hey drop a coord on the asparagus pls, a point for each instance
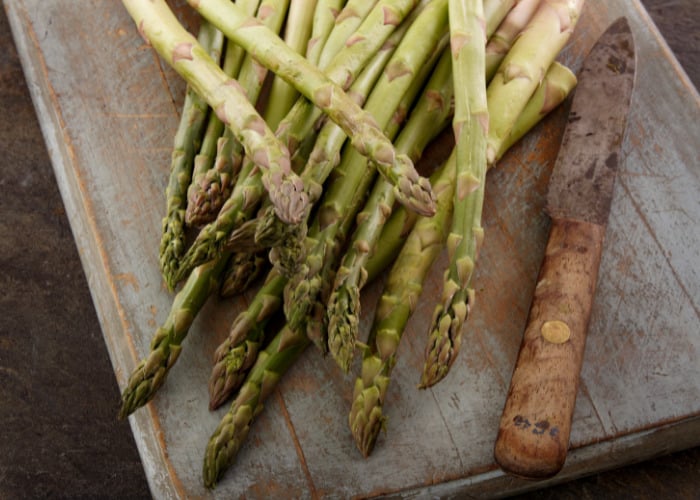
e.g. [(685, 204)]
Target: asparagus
[(213, 238), (231, 432), (211, 186), (526, 64), (399, 298), (242, 270), (558, 82), (405, 280), (357, 123), (344, 304), (421, 42), (502, 40), (286, 242), (470, 124), (346, 23), (324, 19), (186, 142), (516, 80), (495, 12), (158, 25), (165, 348), (238, 351)]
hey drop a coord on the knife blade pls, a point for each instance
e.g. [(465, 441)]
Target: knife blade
[(535, 425)]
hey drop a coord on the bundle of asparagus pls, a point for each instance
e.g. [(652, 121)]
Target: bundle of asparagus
[(331, 198)]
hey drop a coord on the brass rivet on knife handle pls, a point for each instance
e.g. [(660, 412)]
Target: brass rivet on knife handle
[(555, 331), (534, 431)]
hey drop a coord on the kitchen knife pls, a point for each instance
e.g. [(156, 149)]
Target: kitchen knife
[(533, 435)]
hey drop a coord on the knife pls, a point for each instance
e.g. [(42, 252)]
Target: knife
[(533, 435)]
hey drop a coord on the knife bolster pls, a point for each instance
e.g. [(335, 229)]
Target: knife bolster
[(533, 435)]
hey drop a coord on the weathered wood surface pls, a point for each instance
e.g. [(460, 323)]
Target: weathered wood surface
[(108, 109)]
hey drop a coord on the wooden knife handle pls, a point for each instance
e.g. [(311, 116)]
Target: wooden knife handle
[(533, 435)]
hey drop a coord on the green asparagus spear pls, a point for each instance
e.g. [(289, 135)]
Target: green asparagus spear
[(425, 121), (269, 367), (213, 238), (324, 19), (400, 73), (346, 23), (186, 143), (470, 124), (515, 81), (237, 353), (150, 374), (242, 270), (357, 123), (502, 40), (158, 24), (211, 186), (399, 298), (558, 82), (526, 64), (287, 242)]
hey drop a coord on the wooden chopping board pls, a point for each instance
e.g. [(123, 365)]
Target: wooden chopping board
[(108, 108)]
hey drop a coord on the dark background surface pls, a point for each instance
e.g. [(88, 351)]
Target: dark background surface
[(59, 435)]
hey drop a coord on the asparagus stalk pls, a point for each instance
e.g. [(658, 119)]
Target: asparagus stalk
[(415, 50), (238, 351), (401, 293), (502, 40), (211, 186), (324, 19), (431, 111), (526, 64), (372, 34), (186, 143), (231, 432), (166, 346), (405, 280), (516, 80), (358, 124), (158, 25), (470, 124), (297, 33), (346, 23), (287, 242), (495, 11), (242, 269), (558, 82)]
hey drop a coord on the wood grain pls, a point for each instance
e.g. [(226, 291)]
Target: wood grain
[(109, 126)]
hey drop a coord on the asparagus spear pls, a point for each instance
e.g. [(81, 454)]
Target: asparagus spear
[(211, 186), (186, 143), (495, 12), (359, 125), (431, 111), (287, 242), (516, 80), (150, 373), (346, 23), (269, 367), (158, 24), (558, 82), (502, 40), (401, 293), (238, 351), (242, 269), (470, 124), (324, 19), (415, 50), (405, 280), (213, 238), (526, 64)]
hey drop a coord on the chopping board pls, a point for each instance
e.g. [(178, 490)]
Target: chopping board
[(109, 108)]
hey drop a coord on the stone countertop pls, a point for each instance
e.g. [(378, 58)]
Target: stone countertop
[(60, 436)]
